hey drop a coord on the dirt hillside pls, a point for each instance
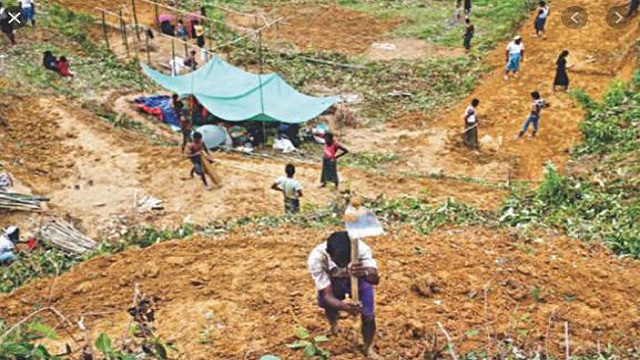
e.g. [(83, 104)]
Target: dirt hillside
[(599, 54), (258, 294)]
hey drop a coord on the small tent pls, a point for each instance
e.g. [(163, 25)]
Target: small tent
[(236, 95)]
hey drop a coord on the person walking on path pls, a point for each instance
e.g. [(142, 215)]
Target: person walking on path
[(562, 78), (194, 152), (541, 19), (330, 160), (467, 7), (471, 125), (290, 188), (515, 55), (28, 11), (5, 25), (534, 116), (331, 269), (468, 35)]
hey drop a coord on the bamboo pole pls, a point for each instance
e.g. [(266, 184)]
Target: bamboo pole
[(104, 30), (174, 71), (157, 18), (125, 38), (135, 18)]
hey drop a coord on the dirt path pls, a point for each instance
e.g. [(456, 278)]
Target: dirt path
[(600, 54), (259, 298)]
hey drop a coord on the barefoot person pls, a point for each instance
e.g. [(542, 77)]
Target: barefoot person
[(515, 55), (468, 35), (329, 264), (471, 125), (330, 159), (541, 19), (534, 117), (186, 126), (291, 189), (194, 153), (562, 78)]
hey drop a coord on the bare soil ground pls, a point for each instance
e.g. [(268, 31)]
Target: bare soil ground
[(255, 281), (258, 295), (599, 54)]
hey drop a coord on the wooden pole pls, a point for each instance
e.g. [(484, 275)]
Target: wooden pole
[(135, 18), (156, 20), (125, 39), (174, 71), (105, 31), (355, 295), (246, 54), (146, 39), (260, 49), (186, 50)]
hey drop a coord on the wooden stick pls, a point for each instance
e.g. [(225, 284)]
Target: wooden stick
[(449, 342), (135, 18), (104, 30), (355, 294)]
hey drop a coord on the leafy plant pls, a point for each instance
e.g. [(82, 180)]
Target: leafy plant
[(309, 345)]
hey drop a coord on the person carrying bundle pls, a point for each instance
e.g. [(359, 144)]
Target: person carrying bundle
[(331, 269), (195, 152)]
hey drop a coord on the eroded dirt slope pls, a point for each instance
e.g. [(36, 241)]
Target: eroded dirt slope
[(256, 285), (599, 54)]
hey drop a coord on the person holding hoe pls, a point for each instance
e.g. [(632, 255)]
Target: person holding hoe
[(331, 268)]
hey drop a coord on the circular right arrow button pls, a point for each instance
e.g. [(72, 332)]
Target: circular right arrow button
[(617, 17)]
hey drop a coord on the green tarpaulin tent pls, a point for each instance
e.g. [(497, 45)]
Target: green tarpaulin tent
[(235, 95)]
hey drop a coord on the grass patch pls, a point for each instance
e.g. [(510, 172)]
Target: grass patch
[(432, 20)]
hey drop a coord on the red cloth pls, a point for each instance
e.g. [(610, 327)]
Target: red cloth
[(152, 111), (64, 68)]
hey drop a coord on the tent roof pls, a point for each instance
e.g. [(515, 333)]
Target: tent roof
[(235, 95)]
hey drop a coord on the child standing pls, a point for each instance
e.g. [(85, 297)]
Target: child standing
[(291, 189), (180, 31), (534, 117), (468, 35)]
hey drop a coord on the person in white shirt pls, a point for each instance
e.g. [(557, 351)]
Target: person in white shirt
[(6, 250), (541, 19), (329, 264), (471, 125), (515, 55), (28, 11), (291, 189)]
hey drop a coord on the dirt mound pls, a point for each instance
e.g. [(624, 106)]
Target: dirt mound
[(330, 28), (256, 285)]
